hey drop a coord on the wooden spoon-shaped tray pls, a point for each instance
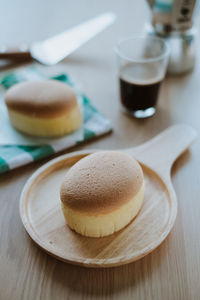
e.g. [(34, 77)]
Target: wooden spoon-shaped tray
[(42, 217)]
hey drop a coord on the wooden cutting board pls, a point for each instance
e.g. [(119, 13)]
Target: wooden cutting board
[(42, 217)]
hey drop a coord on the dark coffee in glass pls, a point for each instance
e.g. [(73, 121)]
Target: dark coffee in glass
[(139, 89), (142, 63)]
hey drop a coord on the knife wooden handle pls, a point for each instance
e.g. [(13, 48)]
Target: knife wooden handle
[(15, 52)]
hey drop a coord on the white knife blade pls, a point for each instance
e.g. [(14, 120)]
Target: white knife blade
[(54, 49)]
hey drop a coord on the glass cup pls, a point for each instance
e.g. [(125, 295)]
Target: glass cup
[(142, 64)]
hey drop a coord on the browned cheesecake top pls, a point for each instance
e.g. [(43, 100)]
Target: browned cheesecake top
[(101, 182), (41, 98)]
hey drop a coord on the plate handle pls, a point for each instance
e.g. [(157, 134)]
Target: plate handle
[(161, 152)]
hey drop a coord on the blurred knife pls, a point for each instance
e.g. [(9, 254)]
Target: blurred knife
[(54, 49)]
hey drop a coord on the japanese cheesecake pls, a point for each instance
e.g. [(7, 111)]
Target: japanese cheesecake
[(44, 108), (102, 193)]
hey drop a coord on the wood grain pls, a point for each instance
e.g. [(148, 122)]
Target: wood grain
[(42, 216), (172, 270)]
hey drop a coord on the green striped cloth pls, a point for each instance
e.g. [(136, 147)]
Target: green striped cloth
[(17, 149)]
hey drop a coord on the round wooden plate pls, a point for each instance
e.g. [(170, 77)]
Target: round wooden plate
[(42, 217)]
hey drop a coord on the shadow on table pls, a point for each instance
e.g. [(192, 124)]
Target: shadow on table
[(7, 64), (107, 281), (181, 162)]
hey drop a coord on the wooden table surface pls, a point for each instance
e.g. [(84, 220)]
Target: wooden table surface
[(171, 271)]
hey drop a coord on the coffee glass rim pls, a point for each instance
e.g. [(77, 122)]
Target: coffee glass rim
[(162, 56)]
